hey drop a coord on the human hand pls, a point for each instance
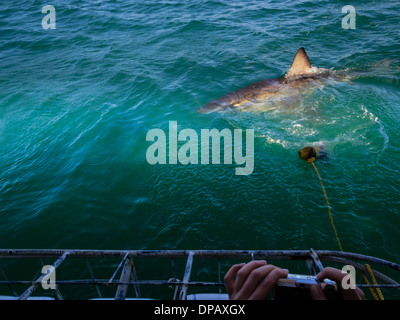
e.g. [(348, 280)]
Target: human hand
[(337, 276), (254, 280)]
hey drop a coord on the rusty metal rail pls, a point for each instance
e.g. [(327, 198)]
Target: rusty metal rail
[(129, 278)]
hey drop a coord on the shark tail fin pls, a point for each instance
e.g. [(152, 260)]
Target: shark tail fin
[(301, 64)]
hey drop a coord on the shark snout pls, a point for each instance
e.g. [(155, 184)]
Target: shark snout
[(219, 104), (209, 107)]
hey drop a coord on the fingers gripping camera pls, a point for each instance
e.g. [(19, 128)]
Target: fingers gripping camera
[(297, 287)]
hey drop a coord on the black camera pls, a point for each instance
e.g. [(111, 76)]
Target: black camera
[(297, 287)]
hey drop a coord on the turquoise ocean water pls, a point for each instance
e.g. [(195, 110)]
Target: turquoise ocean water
[(76, 103)]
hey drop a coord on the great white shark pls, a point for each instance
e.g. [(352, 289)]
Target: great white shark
[(299, 74)]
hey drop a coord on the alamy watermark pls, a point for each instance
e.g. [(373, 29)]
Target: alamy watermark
[(49, 20), (191, 152), (349, 20), (49, 277), (348, 281)]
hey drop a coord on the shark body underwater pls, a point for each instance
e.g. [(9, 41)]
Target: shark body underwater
[(299, 74)]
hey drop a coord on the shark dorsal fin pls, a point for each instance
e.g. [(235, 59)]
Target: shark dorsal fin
[(301, 64)]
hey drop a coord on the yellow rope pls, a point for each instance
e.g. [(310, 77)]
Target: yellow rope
[(374, 281), (376, 297), (370, 289), (311, 160)]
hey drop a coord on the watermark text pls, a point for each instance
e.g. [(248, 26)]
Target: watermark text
[(49, 20), (191, 152)]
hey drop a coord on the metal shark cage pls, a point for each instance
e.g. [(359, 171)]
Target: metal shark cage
[(124, 274)]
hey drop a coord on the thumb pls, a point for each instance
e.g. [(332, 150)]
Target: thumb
[(317, 293)]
